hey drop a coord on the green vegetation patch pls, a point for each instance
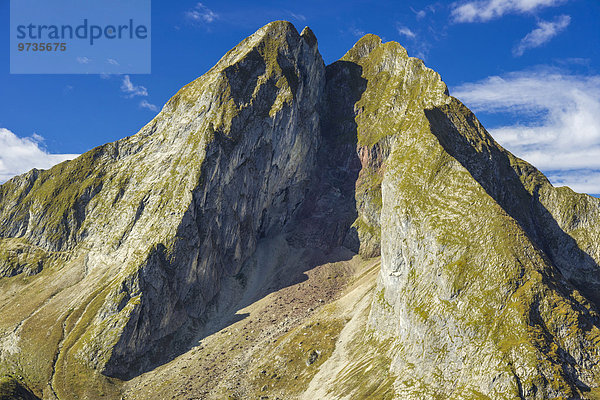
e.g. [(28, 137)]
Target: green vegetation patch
[(368, 376), (296, 359)]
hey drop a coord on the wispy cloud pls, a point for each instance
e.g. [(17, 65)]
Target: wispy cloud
[(416, 42), (149, 106), (132, 90), (19, 155), (577, 61), (420, 14), (298, 17), (486, 10), (580, 180), (357, 32), (83, 60), (542, 34), (201, 14), (403, 30), (564, 140), (112, 61)]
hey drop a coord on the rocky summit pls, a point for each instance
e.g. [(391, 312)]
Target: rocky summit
[(284, 229)]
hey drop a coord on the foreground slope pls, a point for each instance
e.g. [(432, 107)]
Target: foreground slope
[(231, 247)]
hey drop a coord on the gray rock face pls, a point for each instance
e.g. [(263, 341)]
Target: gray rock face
[(489, 279), (165, 214), (253, 177)]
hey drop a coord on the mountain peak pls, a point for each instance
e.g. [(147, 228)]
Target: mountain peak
[(349, 231), (309, 36), (363, 47), (280, 26)]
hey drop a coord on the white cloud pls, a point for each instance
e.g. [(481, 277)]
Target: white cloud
[(83, 60), (200, 13), (132, 90), (402, 30), (357, 32), (486, 10), (414, 43), (542, 34), (112, 61), (19, 155), (149, 106), (583, 181), (564, 140)]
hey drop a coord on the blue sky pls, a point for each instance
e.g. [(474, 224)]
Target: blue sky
[(528, 68)]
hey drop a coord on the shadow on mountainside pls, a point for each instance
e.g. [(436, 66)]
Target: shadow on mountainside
[(491, 167), (318, 233), (321, 228)]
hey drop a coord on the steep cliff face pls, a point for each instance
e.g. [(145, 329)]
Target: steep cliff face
[(254, 175), (486, 286), (270, 168), (145, 228), (397, 88)]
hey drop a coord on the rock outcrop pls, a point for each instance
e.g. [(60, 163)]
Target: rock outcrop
[(114, 263), (487, 285)]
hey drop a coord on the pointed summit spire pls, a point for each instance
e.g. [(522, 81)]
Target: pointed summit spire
[(309, 36)]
